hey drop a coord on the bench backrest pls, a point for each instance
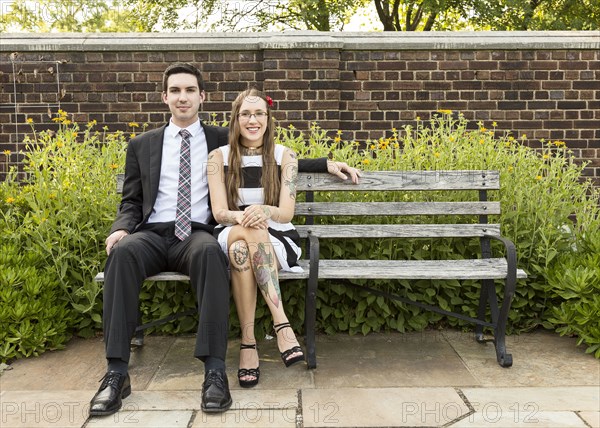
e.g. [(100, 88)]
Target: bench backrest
[(404, 181)]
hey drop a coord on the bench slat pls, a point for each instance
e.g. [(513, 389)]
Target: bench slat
[(371, 231), (415, 269), (385, 269), (176, 276), (397, 208), (403, 180)]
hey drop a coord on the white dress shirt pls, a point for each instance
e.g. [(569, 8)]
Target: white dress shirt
[(166, 200)]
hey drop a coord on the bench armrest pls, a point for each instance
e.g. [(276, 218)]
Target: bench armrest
[(511, 258)]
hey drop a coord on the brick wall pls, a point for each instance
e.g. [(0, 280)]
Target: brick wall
[(542, 84)]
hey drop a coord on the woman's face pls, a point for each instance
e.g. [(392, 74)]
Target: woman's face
[(253, 120)]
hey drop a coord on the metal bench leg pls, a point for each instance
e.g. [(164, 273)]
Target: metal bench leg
[(310, 305), (138, 338), (503, 357), (481, 311)]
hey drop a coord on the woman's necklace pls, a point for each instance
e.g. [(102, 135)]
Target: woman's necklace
[(251, 151)]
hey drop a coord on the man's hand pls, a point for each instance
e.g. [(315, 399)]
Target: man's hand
[(113, 238), (338, 168)]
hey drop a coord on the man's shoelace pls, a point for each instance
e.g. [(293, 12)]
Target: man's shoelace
[(111, 379), (213, 378)]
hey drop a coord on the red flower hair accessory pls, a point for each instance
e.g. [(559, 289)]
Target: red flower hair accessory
[(269, 101)]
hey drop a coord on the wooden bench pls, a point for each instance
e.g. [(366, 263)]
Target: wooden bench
[(429, 221)]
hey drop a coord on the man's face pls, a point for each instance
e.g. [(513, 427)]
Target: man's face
[(184, 98)]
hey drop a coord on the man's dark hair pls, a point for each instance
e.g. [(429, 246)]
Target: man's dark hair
[(182, 67)]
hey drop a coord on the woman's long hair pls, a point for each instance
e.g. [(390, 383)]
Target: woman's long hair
[(270, 180)]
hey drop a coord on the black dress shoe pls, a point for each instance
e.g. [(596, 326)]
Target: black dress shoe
[(215, 392), (115, 386)]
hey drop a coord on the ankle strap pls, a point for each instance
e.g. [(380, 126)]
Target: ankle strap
[(245, 346), (278, 327)]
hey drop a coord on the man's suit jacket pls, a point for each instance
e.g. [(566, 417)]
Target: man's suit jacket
[(142, 174)]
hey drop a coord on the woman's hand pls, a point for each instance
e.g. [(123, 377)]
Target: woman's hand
[(256, 216)]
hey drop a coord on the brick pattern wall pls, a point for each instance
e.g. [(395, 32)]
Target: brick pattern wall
[(544, 93)]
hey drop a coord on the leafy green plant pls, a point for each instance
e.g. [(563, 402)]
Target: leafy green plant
[(58, 209), (542, 190)]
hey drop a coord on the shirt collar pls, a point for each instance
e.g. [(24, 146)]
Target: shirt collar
[(173, 130)]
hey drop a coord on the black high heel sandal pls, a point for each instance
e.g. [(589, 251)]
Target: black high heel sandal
[(296, 349), (244, 383)]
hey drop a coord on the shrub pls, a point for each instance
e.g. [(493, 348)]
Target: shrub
[(57, 218), (542, 190)]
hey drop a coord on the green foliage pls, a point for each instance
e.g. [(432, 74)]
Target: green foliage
[(69, 16), (320, 15), (541, 191), (33, 316), (575, 291), (55, 221), (59, 215)]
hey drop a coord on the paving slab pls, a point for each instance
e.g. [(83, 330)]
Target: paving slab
[(249, 417), (496, 418), (78, 367), (390, 360), (591, 418), (143, 418), (535, 399), (44, 408), (539, 359), (381, 407)]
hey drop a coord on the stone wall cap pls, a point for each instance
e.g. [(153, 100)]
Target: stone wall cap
[(450, 40)]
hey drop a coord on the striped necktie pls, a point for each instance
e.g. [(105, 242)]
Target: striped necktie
[(183, 215)]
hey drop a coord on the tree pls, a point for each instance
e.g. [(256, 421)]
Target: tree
[(512, 15), (68, 16), (419, 15)]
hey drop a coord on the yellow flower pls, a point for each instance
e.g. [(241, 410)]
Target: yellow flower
[(366, 161), (436, 154), (481, 141), (560, 143), (545, 157), (372, 146), (113, 166), (394, 130), (337, 139), (291, 126), (29, 120), (418, 118), (92, 123), (134, 124), (339, 132), (483, 129), (538, 177), (510, 169), (7, 152), (132, 135), (494, 124), (396, 145), (524, 137), (74, 134), (52, 196), (507, 144), (445, 111), (67, 122), (59, 144), (9, 200)]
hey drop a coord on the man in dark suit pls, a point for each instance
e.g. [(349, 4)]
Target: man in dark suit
[(152, 233)]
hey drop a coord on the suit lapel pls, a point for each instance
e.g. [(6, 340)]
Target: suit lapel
[(155, 145)]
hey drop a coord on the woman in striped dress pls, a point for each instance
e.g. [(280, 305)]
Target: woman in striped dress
[(252, 184)]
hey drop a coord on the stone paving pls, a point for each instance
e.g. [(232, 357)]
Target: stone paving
[(433, 379)]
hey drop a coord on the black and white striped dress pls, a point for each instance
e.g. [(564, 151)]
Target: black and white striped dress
[(284, 237)]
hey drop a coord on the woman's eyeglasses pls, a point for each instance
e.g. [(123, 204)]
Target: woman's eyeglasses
[(259, 115)]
